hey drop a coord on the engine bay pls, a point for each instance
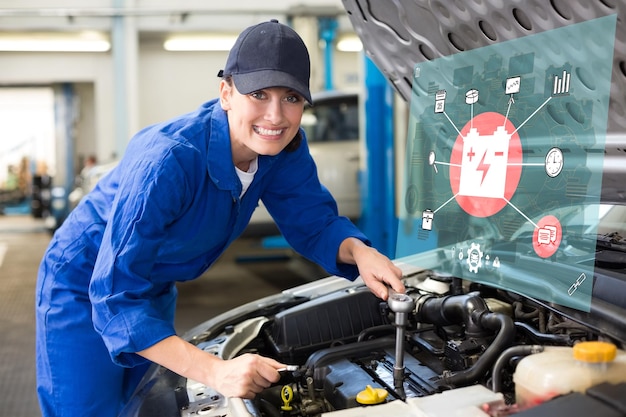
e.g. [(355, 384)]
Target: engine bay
[(348, 349)]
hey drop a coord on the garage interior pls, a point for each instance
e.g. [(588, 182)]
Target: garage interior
[(77, 82)]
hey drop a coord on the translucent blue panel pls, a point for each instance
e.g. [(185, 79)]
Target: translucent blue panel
[(504, 162)]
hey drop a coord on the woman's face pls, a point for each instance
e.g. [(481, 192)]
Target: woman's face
[(262, 122)]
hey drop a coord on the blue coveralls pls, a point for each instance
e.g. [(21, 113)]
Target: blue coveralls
[(106, 284)]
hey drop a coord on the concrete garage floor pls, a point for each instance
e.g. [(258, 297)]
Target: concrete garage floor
[(245, 272)]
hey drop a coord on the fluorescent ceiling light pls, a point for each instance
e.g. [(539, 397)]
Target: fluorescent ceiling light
[(349, 43), (197, 42), (54, 42)]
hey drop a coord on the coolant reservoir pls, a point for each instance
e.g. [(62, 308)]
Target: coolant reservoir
[(560, 370)]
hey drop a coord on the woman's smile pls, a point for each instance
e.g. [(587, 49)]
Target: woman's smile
[(267, 132)]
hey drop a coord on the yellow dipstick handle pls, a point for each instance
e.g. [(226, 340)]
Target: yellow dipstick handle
[(286, 394)]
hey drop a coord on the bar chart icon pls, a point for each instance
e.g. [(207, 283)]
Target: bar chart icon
[(561, 84)]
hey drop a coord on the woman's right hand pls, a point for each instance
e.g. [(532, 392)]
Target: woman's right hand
[(244, 376)]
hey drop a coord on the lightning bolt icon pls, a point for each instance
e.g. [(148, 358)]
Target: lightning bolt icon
[(482, 166)]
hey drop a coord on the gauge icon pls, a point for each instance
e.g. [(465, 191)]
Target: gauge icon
[(554, 162)]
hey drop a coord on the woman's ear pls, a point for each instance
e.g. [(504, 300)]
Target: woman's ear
[(225, 94)]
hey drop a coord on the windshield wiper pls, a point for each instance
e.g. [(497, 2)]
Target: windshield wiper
[(610, 251), (611, 241)]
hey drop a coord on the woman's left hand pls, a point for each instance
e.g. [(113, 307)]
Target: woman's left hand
[(377, 271)]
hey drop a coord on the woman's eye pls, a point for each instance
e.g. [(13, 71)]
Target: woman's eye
[(259, 95), (293, 98)]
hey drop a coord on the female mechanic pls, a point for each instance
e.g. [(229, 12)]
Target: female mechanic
[(183, 191)]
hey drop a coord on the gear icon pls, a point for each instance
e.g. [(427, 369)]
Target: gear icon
[(474, 257)]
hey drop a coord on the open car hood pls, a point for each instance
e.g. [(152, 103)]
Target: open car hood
[(523, 86), (399, 34)]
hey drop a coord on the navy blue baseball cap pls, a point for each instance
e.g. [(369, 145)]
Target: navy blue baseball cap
[(267, 55)]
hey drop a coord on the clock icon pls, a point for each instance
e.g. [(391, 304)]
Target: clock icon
[(554, 162)]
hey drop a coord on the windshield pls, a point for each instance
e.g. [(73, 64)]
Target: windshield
[(333, 118), (504, 163)]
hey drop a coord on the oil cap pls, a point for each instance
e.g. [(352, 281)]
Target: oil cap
[(371, 396), (595, 352)]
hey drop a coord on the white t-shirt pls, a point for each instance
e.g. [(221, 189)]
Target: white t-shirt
[(246, 177)]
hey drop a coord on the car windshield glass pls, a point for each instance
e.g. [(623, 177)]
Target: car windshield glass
[(504, 163), (332, 119)]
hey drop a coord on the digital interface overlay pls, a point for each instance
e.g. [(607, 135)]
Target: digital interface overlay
[(504, 162)]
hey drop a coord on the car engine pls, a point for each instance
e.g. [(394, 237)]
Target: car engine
[(446, 340)]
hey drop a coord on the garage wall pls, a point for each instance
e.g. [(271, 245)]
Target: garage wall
[(167, 84), (171, 83)]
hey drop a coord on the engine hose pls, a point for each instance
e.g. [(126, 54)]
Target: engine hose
[(544, 337), (453, 309), (505, 357), (376, 331), (318, 360), (269, 409), (505, 337)]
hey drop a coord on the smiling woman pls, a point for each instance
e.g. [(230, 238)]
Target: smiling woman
[(267, 122), (184, 190)]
